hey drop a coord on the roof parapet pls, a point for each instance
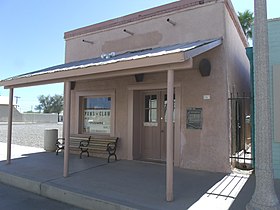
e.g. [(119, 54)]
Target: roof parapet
[(167, 8)]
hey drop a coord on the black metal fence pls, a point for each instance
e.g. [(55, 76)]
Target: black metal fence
[(241, 156)]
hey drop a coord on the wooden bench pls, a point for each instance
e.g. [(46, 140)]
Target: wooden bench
[(92, 144), (99, 145)]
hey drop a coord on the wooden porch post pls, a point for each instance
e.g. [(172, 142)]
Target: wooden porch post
[(66, 125), (169, 140), (10, 123)]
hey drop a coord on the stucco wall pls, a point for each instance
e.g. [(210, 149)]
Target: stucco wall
[(205, 149), (276, 120), (197, 23), (238, 82), (237, 62), (274, 60)]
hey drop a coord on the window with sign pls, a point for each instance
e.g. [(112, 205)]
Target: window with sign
[(97, 115)]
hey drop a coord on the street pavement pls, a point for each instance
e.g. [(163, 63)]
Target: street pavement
[(12, 198), (16, 199)]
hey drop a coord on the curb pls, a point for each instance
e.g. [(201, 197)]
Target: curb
[(46, 190)]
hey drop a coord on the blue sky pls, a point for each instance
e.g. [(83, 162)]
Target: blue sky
[(32, 32)]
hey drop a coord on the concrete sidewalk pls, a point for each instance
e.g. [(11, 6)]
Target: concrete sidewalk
[(95, 184)]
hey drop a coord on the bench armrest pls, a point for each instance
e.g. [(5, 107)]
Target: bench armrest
[(84, 143), (112, 146), (60, 141)]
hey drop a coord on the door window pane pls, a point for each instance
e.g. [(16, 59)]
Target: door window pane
[(151, 108), (97, 115)]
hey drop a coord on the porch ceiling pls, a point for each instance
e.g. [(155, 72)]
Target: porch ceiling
[(178, 56)]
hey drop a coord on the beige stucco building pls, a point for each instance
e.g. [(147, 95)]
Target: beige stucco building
[(194, 48)]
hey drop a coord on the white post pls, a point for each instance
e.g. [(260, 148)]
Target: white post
[(66, 125), (169, 138), (264, 196), (10, 125)]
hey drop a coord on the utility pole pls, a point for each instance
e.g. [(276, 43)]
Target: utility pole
[(264, 197), (17, 97)]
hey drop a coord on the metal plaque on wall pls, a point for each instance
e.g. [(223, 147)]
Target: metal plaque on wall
[(194, 118)]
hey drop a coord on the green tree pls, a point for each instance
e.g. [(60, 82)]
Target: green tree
[(246, 20), (50, 104)]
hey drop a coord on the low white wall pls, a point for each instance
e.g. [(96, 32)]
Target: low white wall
[(38, 117), (27, 117)]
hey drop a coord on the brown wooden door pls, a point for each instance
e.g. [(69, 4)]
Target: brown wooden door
[(153, 125)]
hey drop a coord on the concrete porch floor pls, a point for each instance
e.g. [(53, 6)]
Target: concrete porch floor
[(95, 184)]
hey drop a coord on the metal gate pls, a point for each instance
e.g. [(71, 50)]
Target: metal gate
[(241, 156)]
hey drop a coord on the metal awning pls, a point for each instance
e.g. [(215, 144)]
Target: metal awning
[(168, 59), (112, 62)]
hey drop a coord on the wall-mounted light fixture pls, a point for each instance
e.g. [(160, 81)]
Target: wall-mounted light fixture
[(204, 67), (86, 41), (108, 55), (139, 77), (73, 85), (129, 32), (171, 22)]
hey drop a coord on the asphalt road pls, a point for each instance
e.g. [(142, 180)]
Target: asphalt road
[(16, 199)]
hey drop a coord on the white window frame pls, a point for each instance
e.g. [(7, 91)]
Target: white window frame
[(96, 94)]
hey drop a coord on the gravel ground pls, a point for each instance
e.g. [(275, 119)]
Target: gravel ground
[(31, 135)]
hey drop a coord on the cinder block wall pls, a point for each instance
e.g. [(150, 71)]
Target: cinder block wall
[(37, 117), (26, 117), (4, 111)]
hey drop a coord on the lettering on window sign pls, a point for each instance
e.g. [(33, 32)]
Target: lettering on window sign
[(98, 113), (98, 123), (97, 118)]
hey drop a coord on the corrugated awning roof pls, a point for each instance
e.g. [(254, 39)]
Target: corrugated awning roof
[(190, 50)]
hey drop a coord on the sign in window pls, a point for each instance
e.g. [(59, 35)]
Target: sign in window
[(97, 115)]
